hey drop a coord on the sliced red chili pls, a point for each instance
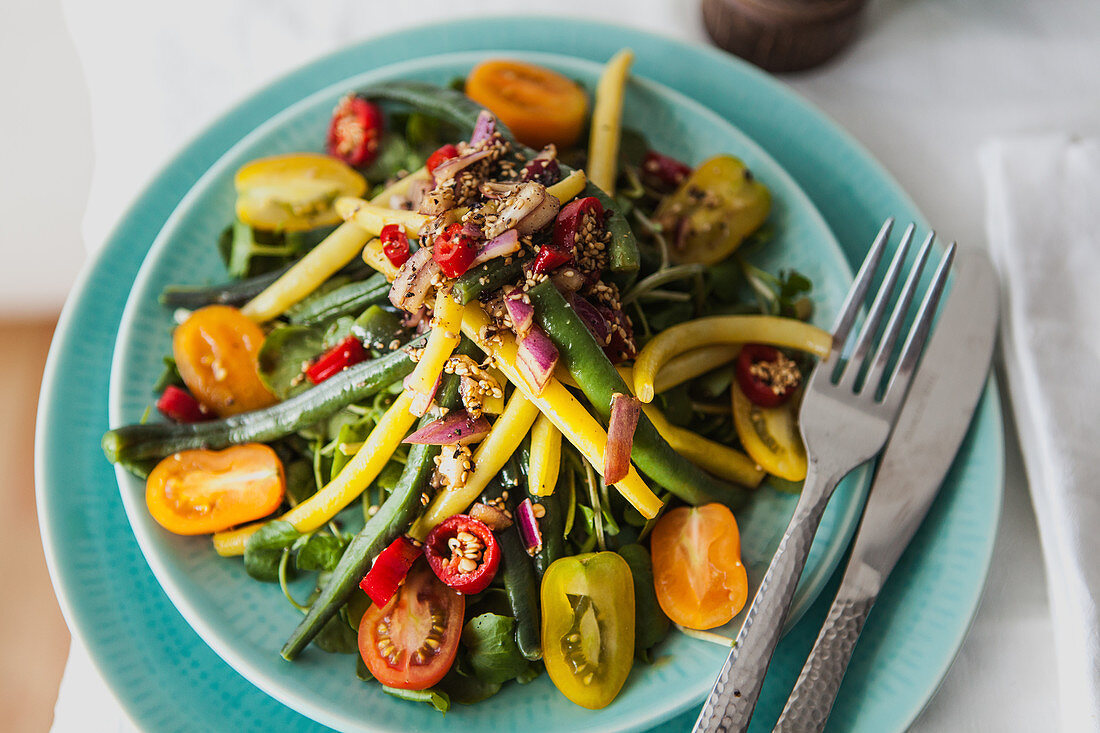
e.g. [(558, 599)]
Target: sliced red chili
[(180, 405), (570, 222), (395, 244), (665, 171), (766, 375), (355, 131), (454, 251), (551, 258), (446, 152), (347, 353), (463, 553), (389, 570)]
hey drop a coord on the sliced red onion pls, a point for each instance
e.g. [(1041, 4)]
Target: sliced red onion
[(484, 128), (415, 195), (415, 318), (505, 243), (456, 428), (543, 168), (421, 402), (471, 230), (528, 525), (435, 201), (625, 410), (592, 318), (622, 344), (492, 517), (541, 216), (521, 312), (450, 167), (537, 357), (414, 280), (568, 279), (496, 190), (527, 202)]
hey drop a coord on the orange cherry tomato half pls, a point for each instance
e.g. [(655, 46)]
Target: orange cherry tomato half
[(697, 568), (540, 106), (215, 351), (204, 491), (411, 642)]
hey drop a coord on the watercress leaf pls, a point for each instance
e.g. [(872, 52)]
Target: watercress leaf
[(336, 637), (393, 157), (349, 433), (286, 350), (361, 670), (438, 700), (170, 376), (299, 480), (320, 552), (264, 549), (465, 687), (632, 147), (491, 642)]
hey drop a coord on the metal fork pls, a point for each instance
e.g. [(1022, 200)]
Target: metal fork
[(845, 421)]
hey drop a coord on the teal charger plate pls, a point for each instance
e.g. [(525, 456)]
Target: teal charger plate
[(168, 680)]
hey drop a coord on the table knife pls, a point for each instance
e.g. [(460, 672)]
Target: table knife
[(931, 427)]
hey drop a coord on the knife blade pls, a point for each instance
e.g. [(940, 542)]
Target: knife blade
[(921, 449)]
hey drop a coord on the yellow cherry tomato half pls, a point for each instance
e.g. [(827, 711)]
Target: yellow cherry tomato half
[(538, 105), (770, 435), (205, 491), (697, 570), (216, 351), (588, 626), (294, 192), (713, 210)]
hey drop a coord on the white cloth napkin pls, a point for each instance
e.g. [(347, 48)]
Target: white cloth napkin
[(1044, 233)]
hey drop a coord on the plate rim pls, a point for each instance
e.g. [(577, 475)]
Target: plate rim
[(212, 134), (173, 580)]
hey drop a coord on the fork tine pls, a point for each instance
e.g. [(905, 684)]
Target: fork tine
[(878, 310), (862, 284), (897, 318), (918, 333)]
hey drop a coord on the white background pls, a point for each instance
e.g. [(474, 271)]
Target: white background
[(925, 84)]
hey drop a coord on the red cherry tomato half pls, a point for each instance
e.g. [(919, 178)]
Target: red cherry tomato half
[(766, 375), (355, 131), (180, 405), (347, 353), (453, 251), (667, 172), (463, 553), (411, 642), (395, 244), (389, 569), (446, 152)]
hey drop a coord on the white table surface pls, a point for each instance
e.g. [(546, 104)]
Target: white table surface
[(925, 84)]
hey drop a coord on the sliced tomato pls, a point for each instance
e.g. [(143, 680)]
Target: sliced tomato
[(216, 351), (463, 553), (770, 435), (205, 491), (411, 642), (767, 376), (446, 152), (294, 192), (697, 570), (355, 131), (588, 626)]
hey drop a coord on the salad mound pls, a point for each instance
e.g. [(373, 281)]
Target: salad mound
[(501, 395)]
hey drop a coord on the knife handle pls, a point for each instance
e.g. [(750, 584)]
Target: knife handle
[(813, 695)]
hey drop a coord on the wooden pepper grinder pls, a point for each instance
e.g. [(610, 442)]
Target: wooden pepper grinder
[(783, 35)]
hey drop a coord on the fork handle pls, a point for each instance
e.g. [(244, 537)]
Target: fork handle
[(814, 693), (733, 698)]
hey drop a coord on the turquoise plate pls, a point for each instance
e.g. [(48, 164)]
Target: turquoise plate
[(246, 622), (164, 675)]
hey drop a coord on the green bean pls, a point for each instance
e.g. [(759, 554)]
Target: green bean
[(585, 360), (650, 622), (134, 446), (350, 299), (392, 518), (488, 276)]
